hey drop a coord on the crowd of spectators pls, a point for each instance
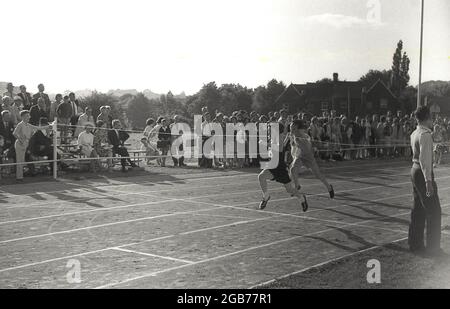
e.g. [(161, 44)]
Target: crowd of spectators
[(25, 135), (334, 137)]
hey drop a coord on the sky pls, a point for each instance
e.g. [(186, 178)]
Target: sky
[(179, 45)]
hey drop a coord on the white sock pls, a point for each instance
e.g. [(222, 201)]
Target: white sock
[(266, 195)]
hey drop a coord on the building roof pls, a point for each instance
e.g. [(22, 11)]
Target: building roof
[(325, 90)]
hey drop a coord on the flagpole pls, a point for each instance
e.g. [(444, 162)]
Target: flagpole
[(420, 55)]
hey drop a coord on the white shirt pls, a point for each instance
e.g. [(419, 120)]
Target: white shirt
[(86, 142)]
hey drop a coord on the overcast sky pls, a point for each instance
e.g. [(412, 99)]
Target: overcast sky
[(179, 45)]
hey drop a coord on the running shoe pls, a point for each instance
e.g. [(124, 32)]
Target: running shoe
[(263, 203), (304, 204)]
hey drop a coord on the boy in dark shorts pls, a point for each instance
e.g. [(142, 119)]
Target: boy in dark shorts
[(279, 174), (303, 155)]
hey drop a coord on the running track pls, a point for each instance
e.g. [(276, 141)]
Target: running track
[(198, 229)]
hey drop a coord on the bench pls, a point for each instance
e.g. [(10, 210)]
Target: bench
[(138, 155)]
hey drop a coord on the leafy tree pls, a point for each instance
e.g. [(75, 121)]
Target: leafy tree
[(372, 76), (325, 80), (139, 110), (98, 99), (208, 96), (436, 88), (404, 72), (400, 70), (265, 97), (235, 97)]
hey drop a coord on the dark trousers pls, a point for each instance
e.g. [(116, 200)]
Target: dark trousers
[(74, 122), (123, 152), (425, 212)]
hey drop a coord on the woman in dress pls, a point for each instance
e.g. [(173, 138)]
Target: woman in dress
[(152, 137), (163, 143)]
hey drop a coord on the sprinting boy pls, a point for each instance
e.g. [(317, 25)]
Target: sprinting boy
[(303, 154), (279, 174)]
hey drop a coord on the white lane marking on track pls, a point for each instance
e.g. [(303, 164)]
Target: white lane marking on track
[(185, 179), (127, 245), (178, 213), (229, 254), (153, 255), (105, 224), (322, 263), (148, 193), (259, 285)]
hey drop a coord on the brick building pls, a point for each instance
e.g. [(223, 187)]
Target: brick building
[(346, 97)]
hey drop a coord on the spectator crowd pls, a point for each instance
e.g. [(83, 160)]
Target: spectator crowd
[(26, 136)]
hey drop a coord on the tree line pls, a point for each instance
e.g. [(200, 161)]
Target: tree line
[(134, 110)]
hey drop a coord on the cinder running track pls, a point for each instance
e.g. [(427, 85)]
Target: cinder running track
[(193, 228)]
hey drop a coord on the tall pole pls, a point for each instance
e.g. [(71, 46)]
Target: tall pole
[(420, 56), (55, 151)]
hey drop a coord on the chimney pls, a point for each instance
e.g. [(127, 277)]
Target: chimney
[(335, 77)]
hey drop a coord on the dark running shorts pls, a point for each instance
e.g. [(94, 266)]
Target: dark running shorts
[(280, 173)]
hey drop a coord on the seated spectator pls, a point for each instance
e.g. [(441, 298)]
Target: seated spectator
[(64, 112), (38, 111), (86, 144), (101, 143), (18, 103), (40, 144), (6, 131), (8, 105), (86, 140), (84, 118), (117, 138)]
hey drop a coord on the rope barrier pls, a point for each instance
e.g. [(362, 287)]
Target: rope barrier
[(317, 145)]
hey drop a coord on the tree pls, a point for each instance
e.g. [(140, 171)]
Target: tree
[(373, 76), (235, 97), (436, 89), (325, 80), (404, 72), (208, 96), (408, 98), (400, 70), (139, 109), (265, 97), (98, 99)]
